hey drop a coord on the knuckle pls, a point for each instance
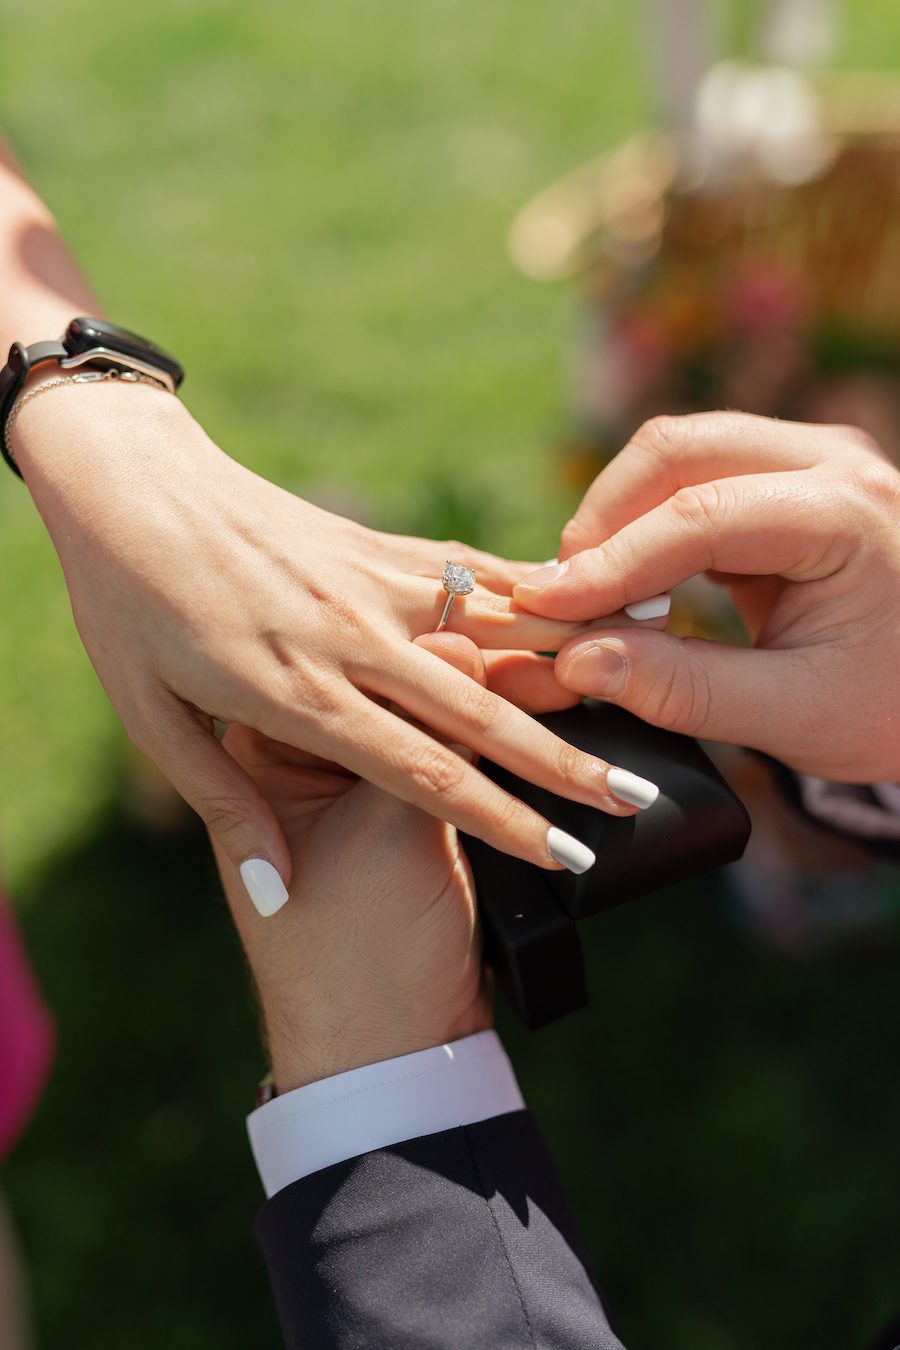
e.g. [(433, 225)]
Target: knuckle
[(224, 815), (478, 708), (437, 771), (704, 507), (668, 436), (876, 481), (509, 815), (682, 698), (660, 437), (570, 764), (484, 604), (456, 550), (482, 563), (616, 558), (662, 700)]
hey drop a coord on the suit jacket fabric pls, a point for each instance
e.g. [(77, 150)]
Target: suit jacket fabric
[(855, 811), (461, 1240)]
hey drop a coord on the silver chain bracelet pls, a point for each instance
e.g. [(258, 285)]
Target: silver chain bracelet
[(83, 377)]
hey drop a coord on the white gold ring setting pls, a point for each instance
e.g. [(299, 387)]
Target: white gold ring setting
[(456, 580)]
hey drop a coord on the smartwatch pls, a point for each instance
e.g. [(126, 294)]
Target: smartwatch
[(90, 343)]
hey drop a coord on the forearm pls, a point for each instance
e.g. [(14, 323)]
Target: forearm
[(43, 288), (41, 283)]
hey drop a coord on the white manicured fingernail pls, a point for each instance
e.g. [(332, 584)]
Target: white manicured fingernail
[(568, 851), (654, 608), (631, 789), (264, 886), (551, 562)]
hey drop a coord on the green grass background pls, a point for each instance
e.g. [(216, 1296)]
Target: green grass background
[(308, 202)]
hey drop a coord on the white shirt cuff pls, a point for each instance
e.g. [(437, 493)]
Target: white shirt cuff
[(379, 1105)]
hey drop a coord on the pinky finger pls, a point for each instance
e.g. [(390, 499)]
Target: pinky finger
[(224, 795), (413, 766)]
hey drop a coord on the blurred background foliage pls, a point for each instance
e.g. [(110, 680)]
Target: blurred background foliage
[(308, 204)]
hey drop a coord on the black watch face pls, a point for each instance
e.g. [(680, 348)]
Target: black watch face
[(84, 334)]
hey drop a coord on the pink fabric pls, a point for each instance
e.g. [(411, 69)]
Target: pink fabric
[(26, 1035)]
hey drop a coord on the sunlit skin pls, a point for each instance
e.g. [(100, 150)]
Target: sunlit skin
[(802, 524), (202, 591)]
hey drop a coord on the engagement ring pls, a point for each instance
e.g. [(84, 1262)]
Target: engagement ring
[(457, 580)]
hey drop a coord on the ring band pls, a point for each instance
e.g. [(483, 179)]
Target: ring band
[(457, 580)]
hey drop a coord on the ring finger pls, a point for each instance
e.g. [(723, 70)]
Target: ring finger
[(456, 708)]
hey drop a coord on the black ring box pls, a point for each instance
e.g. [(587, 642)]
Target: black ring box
[(529, 915)]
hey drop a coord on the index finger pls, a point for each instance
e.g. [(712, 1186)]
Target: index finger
[(670, 453), (787, 525), (496, 623)]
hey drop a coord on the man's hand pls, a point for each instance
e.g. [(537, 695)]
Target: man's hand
[(802, 523), (378, 953)]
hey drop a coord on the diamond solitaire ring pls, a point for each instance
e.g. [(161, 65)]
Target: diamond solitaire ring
[(457, 580)]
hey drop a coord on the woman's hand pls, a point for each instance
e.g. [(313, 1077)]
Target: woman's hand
[(802, 523), (379, 953), (202, 591)]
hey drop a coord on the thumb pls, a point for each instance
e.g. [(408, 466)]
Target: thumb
[(746, 696), (237, 815)]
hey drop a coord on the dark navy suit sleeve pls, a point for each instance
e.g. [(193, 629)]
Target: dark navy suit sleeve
[(461, 1240)]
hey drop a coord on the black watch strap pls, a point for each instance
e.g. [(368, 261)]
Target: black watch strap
[(94, 344), (14, 375)]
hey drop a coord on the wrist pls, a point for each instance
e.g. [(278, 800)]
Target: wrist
[(45, 380), (301, 1053), (68, 419), (77, 444), (95, 350)]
